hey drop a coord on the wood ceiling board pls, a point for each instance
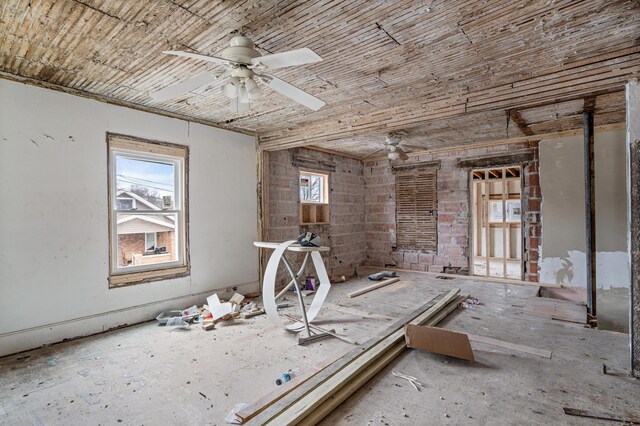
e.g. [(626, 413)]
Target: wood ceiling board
[(388, 64)]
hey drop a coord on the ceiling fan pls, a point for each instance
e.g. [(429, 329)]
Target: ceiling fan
[(245, 66), (393, 142)]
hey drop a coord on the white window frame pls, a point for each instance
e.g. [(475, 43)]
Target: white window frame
[(121, 146), (324, 190)]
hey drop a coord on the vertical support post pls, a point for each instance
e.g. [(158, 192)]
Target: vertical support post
[(590, 209), (633, 215), (487, 204), (262, 193)]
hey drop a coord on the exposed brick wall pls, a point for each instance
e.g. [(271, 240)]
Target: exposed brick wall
[(345, 233), (134, 243), (453, 214), (127, 244), (532, 220)]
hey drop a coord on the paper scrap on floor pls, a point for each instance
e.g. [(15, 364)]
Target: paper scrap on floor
[(218, 310)]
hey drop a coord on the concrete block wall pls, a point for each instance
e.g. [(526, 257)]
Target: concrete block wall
[(345, 233), (453, 214)]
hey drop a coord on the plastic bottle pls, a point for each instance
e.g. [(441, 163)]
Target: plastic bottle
[(284, 378)]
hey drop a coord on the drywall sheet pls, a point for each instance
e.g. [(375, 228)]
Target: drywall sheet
[(563, 258), (563, 233), (54, 248)]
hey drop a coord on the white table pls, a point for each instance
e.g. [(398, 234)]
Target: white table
[(268, 289)]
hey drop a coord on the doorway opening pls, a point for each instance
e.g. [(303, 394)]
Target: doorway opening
[(497, 222)]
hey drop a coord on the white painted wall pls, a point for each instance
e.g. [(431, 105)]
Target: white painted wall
[(53, 216), (563, 230)]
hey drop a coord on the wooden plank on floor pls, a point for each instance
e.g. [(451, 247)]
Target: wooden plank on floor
[(302, 401), (601, 415), (373, 287), (512, 346)]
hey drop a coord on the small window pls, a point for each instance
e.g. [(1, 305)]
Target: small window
[(147, 214), (313, 188), (314, 198), (125, 204)]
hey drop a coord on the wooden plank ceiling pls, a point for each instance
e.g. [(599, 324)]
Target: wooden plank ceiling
[(450, 72)]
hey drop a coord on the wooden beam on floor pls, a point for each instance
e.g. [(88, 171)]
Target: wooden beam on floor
[(372, 287), (328, 386)]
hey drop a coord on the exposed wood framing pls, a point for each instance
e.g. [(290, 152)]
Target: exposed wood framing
[(111, 51), (582, 78), (515, 116), (511, 158), (263, 207), (633, 214)]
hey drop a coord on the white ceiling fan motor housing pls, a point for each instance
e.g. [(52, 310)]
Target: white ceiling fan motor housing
[(241, 50)]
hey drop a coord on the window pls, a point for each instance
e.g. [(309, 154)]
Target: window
[(314, 198), (125, 204), (312, 187), (416, 211), (147, 210)]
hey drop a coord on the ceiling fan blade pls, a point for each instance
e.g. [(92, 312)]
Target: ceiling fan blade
[(214, 59), (403, 155), (183, 87), (288, 59), (293, 92), (374, 153), (238, 107)]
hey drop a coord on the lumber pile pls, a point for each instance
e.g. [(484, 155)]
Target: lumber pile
[(313, 399)]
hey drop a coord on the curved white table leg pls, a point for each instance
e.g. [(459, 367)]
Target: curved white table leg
[(269, 283)]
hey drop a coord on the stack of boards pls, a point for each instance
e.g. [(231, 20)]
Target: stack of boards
[(309, 398)]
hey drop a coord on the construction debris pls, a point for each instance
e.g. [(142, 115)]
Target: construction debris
[(414, 381), (382, 275)]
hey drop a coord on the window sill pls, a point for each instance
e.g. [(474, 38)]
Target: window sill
[(141, 277)]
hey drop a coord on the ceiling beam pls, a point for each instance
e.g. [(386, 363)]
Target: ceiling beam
[(510, 141), (515, 116)]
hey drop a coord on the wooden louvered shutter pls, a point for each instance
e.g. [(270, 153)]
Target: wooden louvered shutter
[(416, 211)]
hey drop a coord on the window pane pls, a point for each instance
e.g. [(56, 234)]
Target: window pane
[(316, 188), (304, 188), (125, 203), (144, 185), (144, 239)]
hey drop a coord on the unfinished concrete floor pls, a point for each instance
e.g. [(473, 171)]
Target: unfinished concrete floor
[(148, 375)]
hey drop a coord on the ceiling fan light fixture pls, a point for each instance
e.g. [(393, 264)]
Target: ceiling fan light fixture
[(231, 88), (253, 91), (243, 97), (394, 155)]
